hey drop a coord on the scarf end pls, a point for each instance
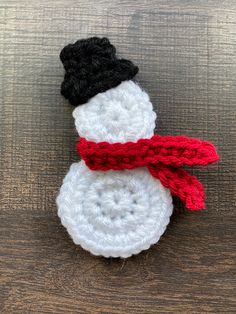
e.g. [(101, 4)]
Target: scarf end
[(194, 205), (181, 184)]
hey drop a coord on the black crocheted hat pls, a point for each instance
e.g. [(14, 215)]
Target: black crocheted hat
[(92, 67)]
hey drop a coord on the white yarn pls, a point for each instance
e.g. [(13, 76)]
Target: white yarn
[(114, 213), (121, 114)]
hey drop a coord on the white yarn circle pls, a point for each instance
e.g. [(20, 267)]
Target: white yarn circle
[(120, 114), (114, 213)]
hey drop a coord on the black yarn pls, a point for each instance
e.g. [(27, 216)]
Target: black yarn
[(92, 67)]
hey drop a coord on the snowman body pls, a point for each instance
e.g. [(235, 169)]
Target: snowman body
[(114, 213)]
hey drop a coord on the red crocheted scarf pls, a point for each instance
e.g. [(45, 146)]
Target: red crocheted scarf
[(162, 155)]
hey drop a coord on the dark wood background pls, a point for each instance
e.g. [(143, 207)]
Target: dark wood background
[(186, 51)]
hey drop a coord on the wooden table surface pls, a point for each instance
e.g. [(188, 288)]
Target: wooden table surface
[(186, 51)]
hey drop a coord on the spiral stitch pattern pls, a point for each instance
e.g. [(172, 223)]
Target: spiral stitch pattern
[(121, 114), (115, 213)]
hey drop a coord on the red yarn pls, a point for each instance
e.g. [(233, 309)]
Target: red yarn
[(162, 155)]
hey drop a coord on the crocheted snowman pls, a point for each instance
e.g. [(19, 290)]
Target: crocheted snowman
[(114, 213)]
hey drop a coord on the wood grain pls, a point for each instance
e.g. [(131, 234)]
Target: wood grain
[(186, 51)]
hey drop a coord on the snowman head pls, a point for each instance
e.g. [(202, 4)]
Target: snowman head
[(112, 107)]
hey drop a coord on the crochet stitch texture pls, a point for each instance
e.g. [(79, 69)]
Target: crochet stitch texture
[(114, 213), (117, 201), (92, 67), (162, 155)]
